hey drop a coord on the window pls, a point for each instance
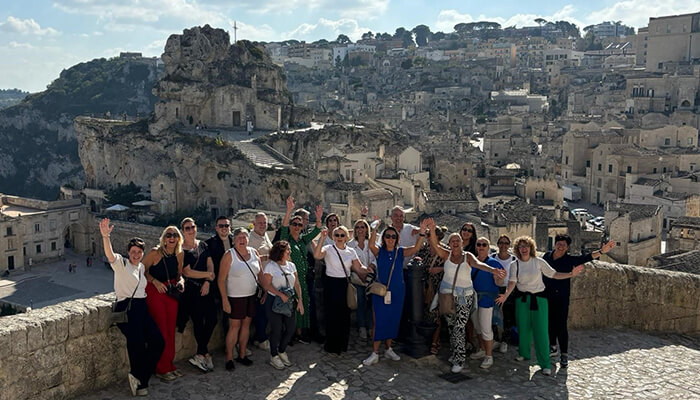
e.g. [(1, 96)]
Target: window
[(588, 163), (38, 249), (53, 246), (629, 169), (600, 167), (37, 228), (609, 167), (9, 231), (465, 172), (52, 224), (495, 154), (667, 142), (566, 175), (566, 160), (668, 28), (690, 140), (10, 244), (654, 170), (664, 169), (600, 182)]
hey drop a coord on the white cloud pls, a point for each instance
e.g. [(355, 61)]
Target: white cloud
[(347, 26), (260, 33), (364, 9), (359, 9), (636, 13), (26, 27), (16, 45)]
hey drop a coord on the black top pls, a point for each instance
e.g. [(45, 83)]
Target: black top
[(566, 264), (158, 270), (216, 250), (196, 259)]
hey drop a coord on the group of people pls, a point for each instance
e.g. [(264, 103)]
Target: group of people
[(295, 288)]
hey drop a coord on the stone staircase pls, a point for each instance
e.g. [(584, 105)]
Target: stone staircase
[(263, 155)]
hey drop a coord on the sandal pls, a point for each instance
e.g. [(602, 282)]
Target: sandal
[(434, 348)]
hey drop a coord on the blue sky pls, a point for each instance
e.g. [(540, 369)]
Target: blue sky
[(39, 38)]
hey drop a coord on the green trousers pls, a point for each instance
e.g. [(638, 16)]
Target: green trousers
[(533, 323)]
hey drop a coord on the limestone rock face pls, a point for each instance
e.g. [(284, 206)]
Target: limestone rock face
[(198, 170), (210, 82)]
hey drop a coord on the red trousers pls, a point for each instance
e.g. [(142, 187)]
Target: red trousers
[(163, 310)]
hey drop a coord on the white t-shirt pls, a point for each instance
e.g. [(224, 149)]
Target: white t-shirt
[(528, 274), (365, 255), (240, 281), (464, 278), (126, 278), (278, 281), (506, 266), (334, 268)]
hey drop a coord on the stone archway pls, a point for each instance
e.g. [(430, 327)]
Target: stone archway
[(76, 237)]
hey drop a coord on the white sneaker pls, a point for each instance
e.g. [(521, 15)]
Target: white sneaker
[(285, 359), (503, 348), (133, 384), (200, 362), (487, 363), (457, 369), (276, 362), (478, 355), (363, 333), (546, 371), (210, 362), (263, 345), (519, 358), (390, 354), (372, 359)]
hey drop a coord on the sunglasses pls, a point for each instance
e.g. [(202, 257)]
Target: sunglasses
[(223, 225), (333, 220), (524, 247), (482, 245), (171, 235), (190, 228), (297, 224), (339, 235), (467, 230), (360, 227), (390, 236), (504, 243)]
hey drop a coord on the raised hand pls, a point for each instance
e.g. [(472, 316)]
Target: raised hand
[(577, 270), (608, 246), (364, 210), (319, 212), (105, 227), (324, 233), (423, 225), (290, 203)]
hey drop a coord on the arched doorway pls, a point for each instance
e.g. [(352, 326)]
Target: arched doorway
[(75, 237)]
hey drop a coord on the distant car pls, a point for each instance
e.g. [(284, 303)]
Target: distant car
[(597, 221), (577, 211)]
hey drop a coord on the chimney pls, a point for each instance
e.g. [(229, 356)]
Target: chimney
[(557, 213)]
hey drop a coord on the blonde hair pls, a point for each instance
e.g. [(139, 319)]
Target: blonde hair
[(454, 234), (344, 229), (161, 243), (363, 222), (528, 240), (485, 239)]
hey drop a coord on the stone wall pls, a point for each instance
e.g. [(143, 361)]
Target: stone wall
[(64, 350)]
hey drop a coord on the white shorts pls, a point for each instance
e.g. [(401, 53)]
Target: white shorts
[(482, 322)]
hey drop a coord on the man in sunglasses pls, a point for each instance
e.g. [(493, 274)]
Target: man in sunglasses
[(218, 245)]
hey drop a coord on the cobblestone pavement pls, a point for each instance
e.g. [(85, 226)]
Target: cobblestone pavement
[(604, 364)]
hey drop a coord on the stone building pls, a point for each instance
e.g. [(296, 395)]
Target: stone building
[(541, 191), (449, 203), (660, 191), (646, 92), (684, 234), (39, 230), (677, 260), (673, 38), (637, 230)]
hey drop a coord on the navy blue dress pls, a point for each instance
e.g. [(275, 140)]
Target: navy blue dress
[(388, 316)]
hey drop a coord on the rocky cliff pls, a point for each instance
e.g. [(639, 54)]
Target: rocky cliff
[(202, 170), (38, 147)]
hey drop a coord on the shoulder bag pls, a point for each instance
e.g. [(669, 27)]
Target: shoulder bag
[(351, 291), (279, 306), (171, 290), (446, 301), (121, 316), (379, 288), (259, 292)]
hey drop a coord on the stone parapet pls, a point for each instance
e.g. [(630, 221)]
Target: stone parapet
[(69, 349)]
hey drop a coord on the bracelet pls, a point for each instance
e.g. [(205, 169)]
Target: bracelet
[(421, 234), (105, 237)]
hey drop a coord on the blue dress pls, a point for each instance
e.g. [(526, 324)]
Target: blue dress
[(388, 316)]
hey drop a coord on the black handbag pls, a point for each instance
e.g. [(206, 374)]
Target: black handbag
[(171, 290), (118, 315)]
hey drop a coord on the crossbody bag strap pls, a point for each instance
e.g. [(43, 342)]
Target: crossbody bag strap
[(128, 305), (454, 281), (248, 265), (396, 255), (284, 274), (347, 276)]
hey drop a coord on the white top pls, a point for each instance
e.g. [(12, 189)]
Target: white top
[(529, 274), (240, 281), (334, 268), (464, 278), (365, 255), (328, 240), (278, 281), (126, 277), (506, 266)]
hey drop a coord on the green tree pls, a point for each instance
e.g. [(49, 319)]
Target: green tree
[(343, 39), (422, 33), (368, 36), (124, 194), (405, 36)]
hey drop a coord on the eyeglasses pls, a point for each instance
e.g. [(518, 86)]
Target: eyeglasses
[(339, 235), (172, 235), (297, 224), (332, 220), (467, 230), (524, 246), (190, 228), (223, 225), (482, 245), (390, 236), (504, 243)]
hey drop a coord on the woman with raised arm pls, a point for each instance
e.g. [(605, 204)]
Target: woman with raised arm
[(291, 232), (531, 307), (360, 243), (280, 280), (144, 343), (387, 308), (198, 299), (457, 281), (340, 260), (165, 284), (239, 274)]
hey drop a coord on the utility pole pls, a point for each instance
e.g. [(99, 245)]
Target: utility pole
[(235, 36)]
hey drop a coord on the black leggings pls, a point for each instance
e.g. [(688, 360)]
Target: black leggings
[(282, 328), (558, 317), (337, 314), (203, 312), (144, 343)]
